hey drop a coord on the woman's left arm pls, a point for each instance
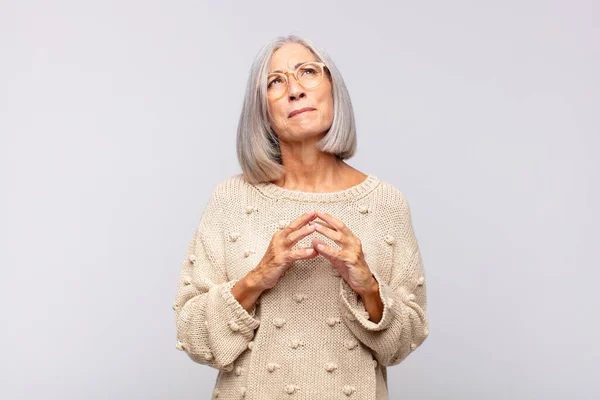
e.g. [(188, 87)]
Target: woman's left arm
[(403, 325)]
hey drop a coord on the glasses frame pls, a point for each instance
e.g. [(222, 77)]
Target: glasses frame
[(295, 74)]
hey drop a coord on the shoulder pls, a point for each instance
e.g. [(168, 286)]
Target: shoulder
[(393, 205), (389, 197), (396, 215), (230, 190), (221, 202), (231, 187)]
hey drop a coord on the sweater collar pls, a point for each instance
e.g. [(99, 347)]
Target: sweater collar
[(355, 192)]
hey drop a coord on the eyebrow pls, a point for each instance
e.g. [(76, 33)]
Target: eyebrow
[(295, 66)]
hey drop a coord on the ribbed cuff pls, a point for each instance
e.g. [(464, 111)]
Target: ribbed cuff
[(354, 311), (247, 322)]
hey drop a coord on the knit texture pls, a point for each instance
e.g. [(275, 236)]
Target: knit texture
[(308, 337)]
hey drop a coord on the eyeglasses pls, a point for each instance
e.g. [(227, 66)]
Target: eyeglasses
[(309, 75)]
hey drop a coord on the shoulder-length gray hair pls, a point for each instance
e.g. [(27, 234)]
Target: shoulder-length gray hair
[(257, 144)]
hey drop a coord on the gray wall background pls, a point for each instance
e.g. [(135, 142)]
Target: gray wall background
[(117, 118)]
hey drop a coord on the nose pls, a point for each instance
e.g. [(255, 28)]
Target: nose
[(295, 91)]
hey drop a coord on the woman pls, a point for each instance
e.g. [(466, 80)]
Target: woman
[(304, 277)]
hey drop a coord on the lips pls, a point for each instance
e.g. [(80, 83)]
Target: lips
[(296, 112)]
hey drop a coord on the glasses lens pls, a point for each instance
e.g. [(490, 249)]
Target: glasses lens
[(276, 85), (310, 75)]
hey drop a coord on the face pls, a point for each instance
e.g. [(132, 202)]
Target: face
[(309, 123)]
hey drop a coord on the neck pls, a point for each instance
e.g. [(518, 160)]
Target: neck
[(314, 171)]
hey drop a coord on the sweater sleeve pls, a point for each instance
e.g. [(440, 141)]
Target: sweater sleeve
[(403, 326), (212, 326)]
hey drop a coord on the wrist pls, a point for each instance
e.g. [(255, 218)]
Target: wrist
[(253, 281), (246, 292), (370, 289)]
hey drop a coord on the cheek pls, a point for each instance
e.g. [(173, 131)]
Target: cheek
[(328, 108), (326, 100), (277, 115)]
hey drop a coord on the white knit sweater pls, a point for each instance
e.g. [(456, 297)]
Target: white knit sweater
[(310, 336)]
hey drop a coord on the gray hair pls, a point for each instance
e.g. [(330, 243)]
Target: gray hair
[(257, 144)]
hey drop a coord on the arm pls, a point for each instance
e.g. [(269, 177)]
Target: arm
[(372, 301), (213, 328), (403, 325)]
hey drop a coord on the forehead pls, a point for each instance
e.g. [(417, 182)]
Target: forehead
[(289, 55)]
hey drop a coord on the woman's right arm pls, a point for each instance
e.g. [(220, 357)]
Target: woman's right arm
[(215, 318), (213, 327), (247, 290)]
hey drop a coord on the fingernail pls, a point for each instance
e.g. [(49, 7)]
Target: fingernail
[(320, 246), (308, 251)]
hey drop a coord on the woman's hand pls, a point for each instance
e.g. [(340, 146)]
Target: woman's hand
[(279, 256), (349, 261)]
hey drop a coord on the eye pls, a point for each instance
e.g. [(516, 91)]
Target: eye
[(308, 70), (274, 81)]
